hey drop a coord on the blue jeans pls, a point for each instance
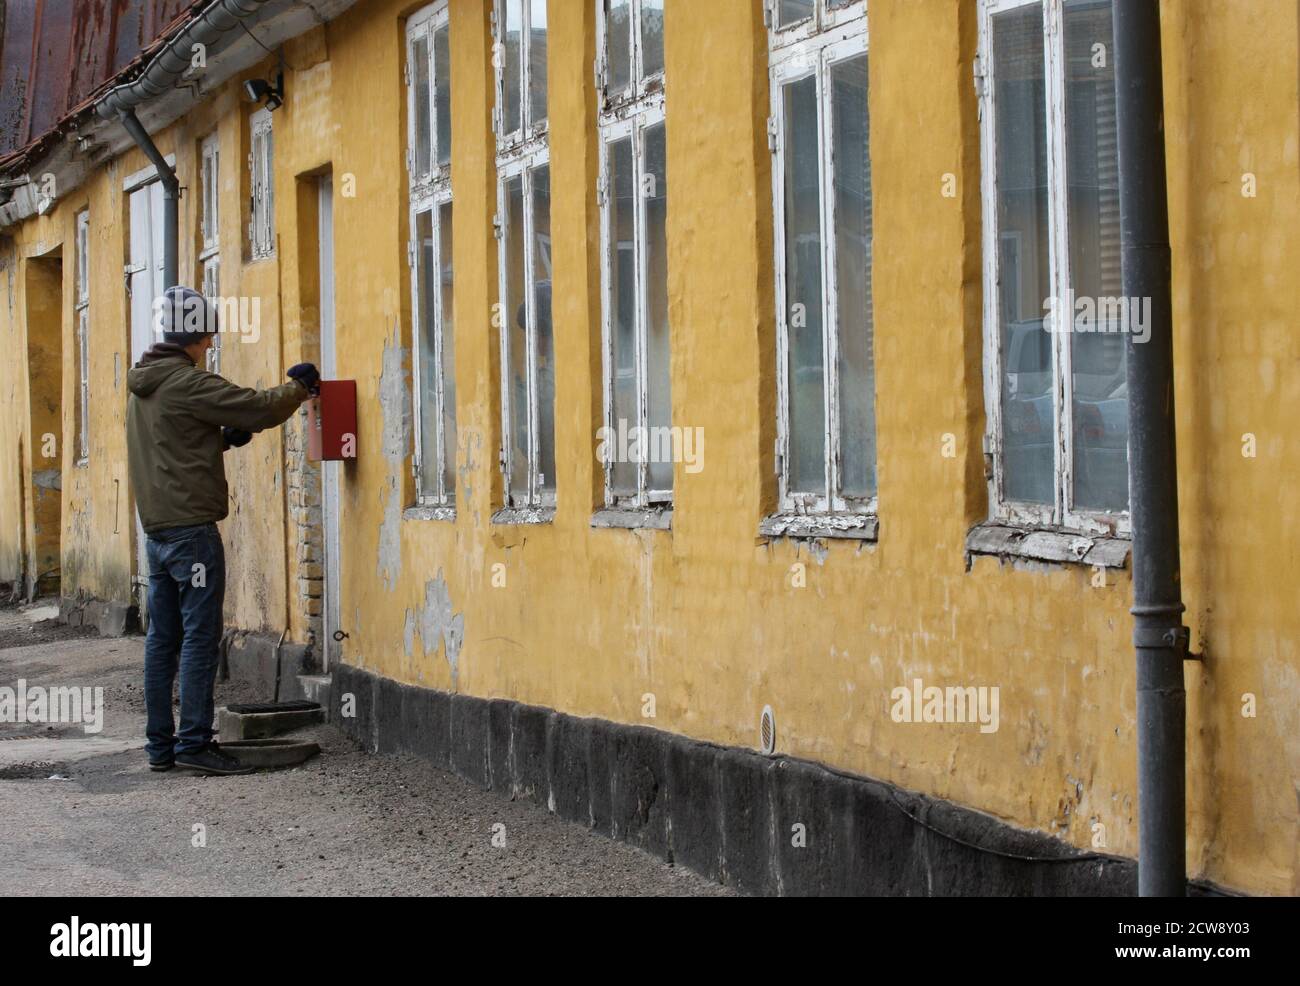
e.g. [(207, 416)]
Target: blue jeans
[(187, 586)]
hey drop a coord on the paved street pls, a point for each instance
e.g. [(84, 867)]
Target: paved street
[(83, 815)]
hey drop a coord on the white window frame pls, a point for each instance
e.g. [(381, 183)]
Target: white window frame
[(427, 192), (210, 232), (826, 15), (642, 87), (797, 52), (261, 172), (629, 113), (520, 153), (1061, 514), (82, 308)]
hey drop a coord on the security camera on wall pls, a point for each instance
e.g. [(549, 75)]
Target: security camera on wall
[(261, 91)]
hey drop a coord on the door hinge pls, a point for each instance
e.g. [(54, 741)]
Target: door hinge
[(771, 133), (767, 13), (780, 459), (497, 120), (410, 254), (406, 71), (600, 189), (498, 228), (988, 457)]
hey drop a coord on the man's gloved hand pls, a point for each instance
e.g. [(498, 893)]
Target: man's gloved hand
[(236, 437), (307, 375)]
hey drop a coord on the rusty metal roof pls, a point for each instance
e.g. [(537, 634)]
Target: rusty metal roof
[(57, 54)]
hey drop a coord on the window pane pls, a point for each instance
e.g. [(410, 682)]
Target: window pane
[(426, 331), (1028, 468), (1098, 358), (856, 366), (537, 62), (792, 11), (803, 290), (542, 316), (515, 316), (622, 300), (420, 90), (618, 45), (652, 37), (448, 338), (654, 187), (514, 27), (442, 92)]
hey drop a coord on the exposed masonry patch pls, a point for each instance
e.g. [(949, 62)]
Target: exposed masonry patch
[(438, 624), (472, 440), (396, 440), (48, 479)]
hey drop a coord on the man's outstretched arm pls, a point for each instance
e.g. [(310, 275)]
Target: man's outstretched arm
[(220, 402)]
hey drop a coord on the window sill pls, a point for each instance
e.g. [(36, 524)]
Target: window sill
[(628, 518), (1034, 544), (853, 527), (524, 515), (429, 513)]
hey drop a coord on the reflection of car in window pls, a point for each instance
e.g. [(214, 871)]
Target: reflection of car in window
[(1027, 412), (1100, 415)]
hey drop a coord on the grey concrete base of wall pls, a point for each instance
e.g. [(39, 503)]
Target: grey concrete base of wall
[(253, 658), (765, 825), (111, 619)]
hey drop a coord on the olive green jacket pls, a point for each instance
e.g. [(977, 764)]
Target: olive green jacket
[(174, 444)]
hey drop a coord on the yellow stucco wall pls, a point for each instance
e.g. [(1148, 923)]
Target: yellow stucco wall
[(706, 617)]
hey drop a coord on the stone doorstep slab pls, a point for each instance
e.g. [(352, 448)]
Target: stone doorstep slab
[(234, 726), (271, 752)]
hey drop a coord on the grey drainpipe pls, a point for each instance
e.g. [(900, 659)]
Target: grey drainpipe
[(1159, 636), (160, 76), (171, 193)]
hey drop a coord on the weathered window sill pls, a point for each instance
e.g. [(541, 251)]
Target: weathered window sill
[(652, 518), (853, 527), (524, 515), (429, 513), (1033, 544)]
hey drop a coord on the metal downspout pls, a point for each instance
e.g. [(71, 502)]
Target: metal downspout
[(171, 193), (161, 75), (1159, 637)]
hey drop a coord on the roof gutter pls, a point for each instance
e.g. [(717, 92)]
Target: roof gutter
[(161, 75), (168, 67)]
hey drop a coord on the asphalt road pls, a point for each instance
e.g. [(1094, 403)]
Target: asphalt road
[(84, 816)]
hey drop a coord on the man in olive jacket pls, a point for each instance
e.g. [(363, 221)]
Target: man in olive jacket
[(179, 420)]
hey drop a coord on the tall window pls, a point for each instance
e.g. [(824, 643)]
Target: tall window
[(633, 195), (821, 172), (83, 336), (209, 246), (261, 224), (1053, 312), (523, 227), (428, 161)]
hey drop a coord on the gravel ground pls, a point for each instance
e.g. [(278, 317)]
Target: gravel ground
[(84, 816)]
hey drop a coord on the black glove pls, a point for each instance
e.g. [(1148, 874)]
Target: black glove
[(236, 437), (307, 375)]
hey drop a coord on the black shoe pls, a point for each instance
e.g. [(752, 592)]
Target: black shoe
[(210, 760), (162, 764)]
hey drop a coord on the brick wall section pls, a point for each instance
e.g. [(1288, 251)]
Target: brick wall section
[(304, 483)]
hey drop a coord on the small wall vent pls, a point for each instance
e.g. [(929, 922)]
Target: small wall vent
[(767, 731)]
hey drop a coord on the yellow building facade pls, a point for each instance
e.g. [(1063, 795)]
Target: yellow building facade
[(694, 624)]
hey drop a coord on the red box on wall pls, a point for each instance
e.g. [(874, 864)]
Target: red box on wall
[(332, 421)]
